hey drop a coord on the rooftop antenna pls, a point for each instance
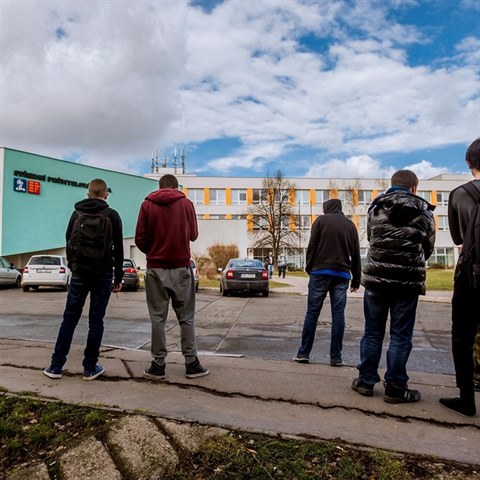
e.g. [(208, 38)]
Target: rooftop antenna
[(164, 161), (175, 161), (156, 161), (183, 156), (152, 169)]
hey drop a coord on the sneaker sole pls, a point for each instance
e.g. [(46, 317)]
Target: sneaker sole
[(197, 375), (399, 400), (93, 377), (337, 364), (457, 412), (366, 392), (301, 360), (151, 376), (52, 375)]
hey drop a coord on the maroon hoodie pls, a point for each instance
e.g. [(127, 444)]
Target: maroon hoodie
[(166, 225)]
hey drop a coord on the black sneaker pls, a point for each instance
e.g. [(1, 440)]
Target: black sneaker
[(395, 394), (362, 388), (300, 359), (337, 362), (195, 370), (459, 406), (155, 371)]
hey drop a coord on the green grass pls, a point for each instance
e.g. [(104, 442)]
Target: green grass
[(439, 279), (33, 430)]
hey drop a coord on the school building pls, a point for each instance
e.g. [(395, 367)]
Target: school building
[(38, 193)]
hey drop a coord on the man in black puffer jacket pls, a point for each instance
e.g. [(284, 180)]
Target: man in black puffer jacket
[(401, 232)]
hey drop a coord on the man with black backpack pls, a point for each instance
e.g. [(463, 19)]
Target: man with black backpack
[(94, 248), (464, 223)]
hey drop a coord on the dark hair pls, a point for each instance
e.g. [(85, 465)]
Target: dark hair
[(97, 188), (472, 157), (168, 181), (404, 178)]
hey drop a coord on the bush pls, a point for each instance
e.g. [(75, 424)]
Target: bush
[(206, 267), (221, 254)]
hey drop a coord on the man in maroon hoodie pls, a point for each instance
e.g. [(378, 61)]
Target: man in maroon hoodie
[(166, 225)]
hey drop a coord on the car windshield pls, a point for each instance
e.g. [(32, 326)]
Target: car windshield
[(45, 261), (127, 263), (246, 263)]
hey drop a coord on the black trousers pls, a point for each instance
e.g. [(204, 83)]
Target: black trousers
[(465, 324)]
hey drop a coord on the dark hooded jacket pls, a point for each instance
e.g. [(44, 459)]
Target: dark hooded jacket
[(96, 205), (166, 225), (401, 232), (334, 243)]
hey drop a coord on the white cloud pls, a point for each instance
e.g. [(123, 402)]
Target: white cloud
[(112, 80)]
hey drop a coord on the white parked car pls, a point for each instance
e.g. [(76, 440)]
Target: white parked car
[(46, 271), (9, 275)]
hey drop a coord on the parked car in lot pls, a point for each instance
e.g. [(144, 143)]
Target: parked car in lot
[(9, 275), (196, 274), (131, 280), (244, 276), (46, 271)]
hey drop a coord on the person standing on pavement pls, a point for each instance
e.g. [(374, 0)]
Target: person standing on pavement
[(332, 262), (95, 279), (401, 233), (166, 225), (282, 265), (462, 209), (269, 264)]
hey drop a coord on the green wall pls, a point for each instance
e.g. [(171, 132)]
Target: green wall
[(38, 222)]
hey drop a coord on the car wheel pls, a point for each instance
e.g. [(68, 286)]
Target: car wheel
[(265, 294), (18, 283), (34, 287), (26, 288)]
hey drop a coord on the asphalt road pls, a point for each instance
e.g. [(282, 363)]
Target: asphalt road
[(255, 327)]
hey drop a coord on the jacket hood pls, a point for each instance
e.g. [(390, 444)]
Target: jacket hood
[(401, 206), (91, 205), (333, 205), (165, 196)]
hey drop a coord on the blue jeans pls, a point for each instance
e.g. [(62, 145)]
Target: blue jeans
[(318, 287), (402, 308), (100, 289)]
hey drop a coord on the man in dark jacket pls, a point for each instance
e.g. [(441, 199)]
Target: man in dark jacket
[(333, 259), (166, 225), (465, 318), (401, 232), (93, 279)]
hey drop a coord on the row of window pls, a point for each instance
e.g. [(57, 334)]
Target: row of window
[(303, 222), (217, 196)]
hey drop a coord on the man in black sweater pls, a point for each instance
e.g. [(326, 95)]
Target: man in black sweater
[(333, 260)]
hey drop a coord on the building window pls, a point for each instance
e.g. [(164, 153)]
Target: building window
[(196, 195), (302, 197), (239, 217), (259, 195), (321, 196), (303, 222), (442, 198), (443, 223), (345, 196), (239, 197), (364, 197), (362, 223), (217, 217), (260, 223), (425, 194), (217, 196), (442, 256)]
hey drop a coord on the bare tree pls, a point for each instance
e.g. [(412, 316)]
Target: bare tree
[(273, 213)]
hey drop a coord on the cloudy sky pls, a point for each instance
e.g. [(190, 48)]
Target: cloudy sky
[(319, 88)]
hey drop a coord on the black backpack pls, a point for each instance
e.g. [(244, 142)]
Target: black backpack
[(471, 241), (89, 248)]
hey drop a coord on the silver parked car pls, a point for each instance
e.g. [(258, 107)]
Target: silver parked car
[(46, 271), (9, 275)]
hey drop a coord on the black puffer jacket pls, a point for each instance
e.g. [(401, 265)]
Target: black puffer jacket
[(401, 232)]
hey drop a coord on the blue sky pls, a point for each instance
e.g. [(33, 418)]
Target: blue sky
[(331, 88)]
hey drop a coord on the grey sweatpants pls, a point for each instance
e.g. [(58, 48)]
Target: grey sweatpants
[(177, 285)]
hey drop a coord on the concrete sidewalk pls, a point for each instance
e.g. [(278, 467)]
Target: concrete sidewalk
[(314, 400)]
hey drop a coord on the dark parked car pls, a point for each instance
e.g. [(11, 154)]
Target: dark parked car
[(9, 275), (196, 274), (244, 276), (131, 281)]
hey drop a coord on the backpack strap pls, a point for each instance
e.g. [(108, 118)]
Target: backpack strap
[(472, 237), (472, 190)]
